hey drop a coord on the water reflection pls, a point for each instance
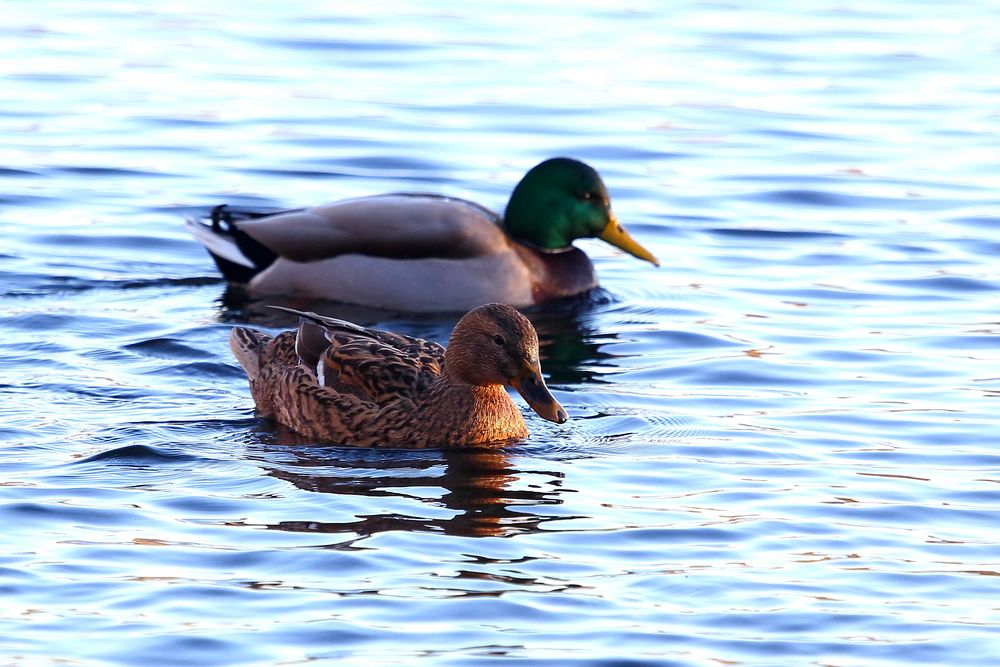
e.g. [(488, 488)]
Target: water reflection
[(238, 307), (482, 486), (571, 345)]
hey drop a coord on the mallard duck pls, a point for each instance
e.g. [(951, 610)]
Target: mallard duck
[(338, 382), (423, 252)]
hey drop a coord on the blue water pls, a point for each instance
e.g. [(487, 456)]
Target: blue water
[(783, 448)]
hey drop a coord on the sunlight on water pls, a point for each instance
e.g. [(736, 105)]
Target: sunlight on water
[(782, 449)]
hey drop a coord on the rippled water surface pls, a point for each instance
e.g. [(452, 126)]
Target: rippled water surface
[(783, 448)]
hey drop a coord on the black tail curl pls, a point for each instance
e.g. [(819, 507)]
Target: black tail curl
[(224, 222)]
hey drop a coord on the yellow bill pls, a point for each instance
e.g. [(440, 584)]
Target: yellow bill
[(616, 235)]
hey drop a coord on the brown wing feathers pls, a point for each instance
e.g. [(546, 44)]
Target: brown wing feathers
[(373, 365)]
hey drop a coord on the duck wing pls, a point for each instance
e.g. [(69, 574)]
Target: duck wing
[(286, 390), (374, 365), (399, 226)]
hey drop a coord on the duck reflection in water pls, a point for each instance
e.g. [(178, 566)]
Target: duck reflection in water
[(569, 343), (481, 485)]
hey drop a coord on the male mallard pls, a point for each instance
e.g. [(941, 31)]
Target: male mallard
[(339, 382), (421, 252)]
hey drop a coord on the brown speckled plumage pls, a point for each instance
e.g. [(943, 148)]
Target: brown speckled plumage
[(340, 383)]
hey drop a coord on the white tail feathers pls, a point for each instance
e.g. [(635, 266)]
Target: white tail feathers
[(218, 244)]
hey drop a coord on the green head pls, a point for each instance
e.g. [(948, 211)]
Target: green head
[(563, 199)]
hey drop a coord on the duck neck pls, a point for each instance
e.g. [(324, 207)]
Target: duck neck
[(462, 365), (557, 275), (477, 414)]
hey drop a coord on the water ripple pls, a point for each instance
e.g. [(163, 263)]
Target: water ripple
[(782, 442)]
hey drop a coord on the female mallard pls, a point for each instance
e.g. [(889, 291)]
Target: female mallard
[(335, 381), (421, 252)]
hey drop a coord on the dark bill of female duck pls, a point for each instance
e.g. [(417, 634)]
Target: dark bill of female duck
[(531, 386)]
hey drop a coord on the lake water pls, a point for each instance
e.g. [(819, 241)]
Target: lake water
[(783, 447)]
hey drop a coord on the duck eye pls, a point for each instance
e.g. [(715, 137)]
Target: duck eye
[(498, 339), (586, 196)]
